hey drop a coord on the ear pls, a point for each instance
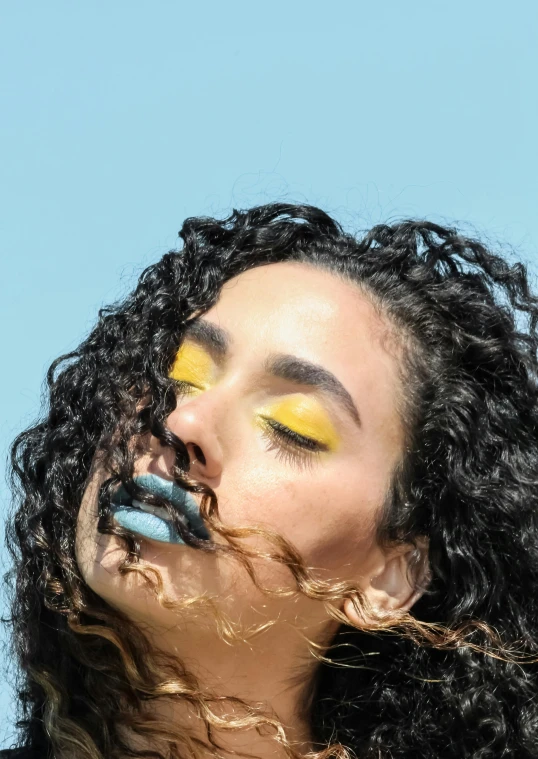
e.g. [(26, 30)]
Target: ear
[(398, 584)]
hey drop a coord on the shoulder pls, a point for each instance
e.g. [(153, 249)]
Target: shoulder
[(20, 753)]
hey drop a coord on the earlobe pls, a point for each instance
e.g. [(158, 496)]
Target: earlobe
[(392, 591)]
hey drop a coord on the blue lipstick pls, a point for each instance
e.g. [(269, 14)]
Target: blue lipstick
[(152, 522)]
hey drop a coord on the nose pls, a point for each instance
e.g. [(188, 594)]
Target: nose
[(194, 422)]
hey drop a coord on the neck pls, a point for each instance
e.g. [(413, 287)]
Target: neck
[(274, 671)]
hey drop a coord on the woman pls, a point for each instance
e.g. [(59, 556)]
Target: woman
[(284, 501)]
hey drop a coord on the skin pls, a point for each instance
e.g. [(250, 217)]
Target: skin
[(324, 502)]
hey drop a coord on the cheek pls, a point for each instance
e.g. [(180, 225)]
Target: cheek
[(334, 526), (329, 515)]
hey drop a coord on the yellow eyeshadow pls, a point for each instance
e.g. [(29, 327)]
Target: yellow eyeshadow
[(193, 365), (303, 414)]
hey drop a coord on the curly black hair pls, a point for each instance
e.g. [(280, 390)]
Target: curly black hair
[(468, 481)]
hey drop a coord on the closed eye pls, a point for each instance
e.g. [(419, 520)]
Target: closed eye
[(301, 441), (186, 388)]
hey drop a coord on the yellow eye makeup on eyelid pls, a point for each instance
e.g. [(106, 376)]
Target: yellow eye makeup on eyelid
[(304, 415), (193, 365), (300, 413)]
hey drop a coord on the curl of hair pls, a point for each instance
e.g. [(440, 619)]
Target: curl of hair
[(447, 681)]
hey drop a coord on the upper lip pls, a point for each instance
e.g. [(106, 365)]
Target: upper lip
[(169, 491)]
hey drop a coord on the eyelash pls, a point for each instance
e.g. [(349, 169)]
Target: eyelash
[(184, 388), (289, 445)]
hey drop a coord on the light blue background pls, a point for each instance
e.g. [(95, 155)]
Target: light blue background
[(120, 118)]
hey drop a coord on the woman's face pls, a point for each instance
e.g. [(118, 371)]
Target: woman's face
[(290, 416)]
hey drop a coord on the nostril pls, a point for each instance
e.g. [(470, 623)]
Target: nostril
[(199, 454)]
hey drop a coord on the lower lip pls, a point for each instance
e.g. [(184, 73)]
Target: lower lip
[(146, 524)]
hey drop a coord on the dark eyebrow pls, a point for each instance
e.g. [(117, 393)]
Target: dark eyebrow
[(306, 373), (215, 339), (217, 342)]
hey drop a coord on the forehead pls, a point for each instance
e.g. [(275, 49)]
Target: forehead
[(299, 309), (299, 305)]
